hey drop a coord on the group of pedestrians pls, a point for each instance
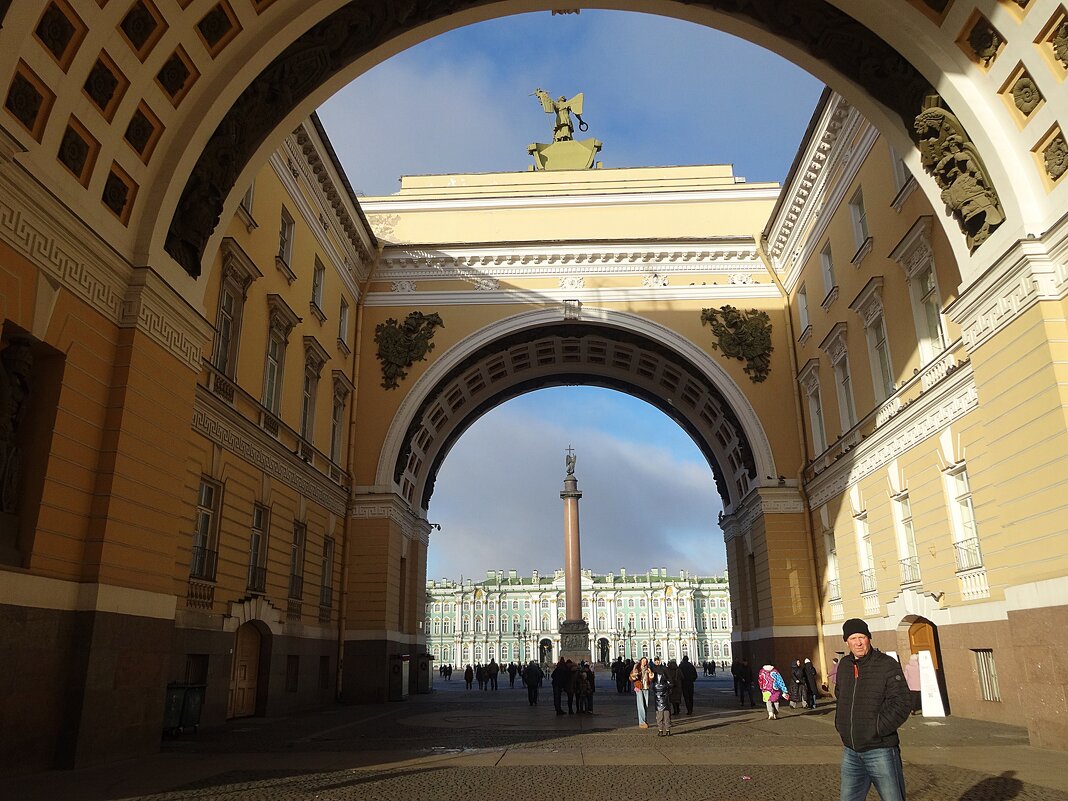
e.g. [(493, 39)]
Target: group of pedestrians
[(577, 682), (668, 686)]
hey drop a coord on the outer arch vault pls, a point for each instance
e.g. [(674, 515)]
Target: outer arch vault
[(608, 348)]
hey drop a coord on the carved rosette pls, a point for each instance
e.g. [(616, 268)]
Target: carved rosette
[(1025, 94), (744, 335), (1055, 157), (400, 345)]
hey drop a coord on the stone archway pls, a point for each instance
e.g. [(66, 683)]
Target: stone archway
[(222, 89), (536, 349)]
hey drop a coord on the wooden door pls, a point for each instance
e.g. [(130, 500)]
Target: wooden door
[(922, 638), (243, 676)]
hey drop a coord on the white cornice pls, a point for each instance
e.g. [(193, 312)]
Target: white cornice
[(1032, 270), (933, 411), (234, 433), (736, 193), (391, 506), (541, 297)]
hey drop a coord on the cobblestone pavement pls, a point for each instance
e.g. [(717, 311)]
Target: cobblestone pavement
[(458, 744)]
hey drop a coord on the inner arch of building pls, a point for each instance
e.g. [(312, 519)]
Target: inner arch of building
[(607, 348), (273, 63)]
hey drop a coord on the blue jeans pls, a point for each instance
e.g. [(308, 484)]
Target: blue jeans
[(880, 766), (642, 698)]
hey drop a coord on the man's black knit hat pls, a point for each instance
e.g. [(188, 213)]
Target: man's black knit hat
[(855, 626)]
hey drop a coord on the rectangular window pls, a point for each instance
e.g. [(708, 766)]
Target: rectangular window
[(292, 673), (337, 423), (326, 592), (206, 531), (965, 531), (927, 309), (296, 561), (227, 328), (343, 322), (802, 307), (834, 584), (815, 413), (865, 556), (860, 218), (879, 351), (257, 549), (246, 199), (307, 403), (827, 264), (845, 394), (906, 539), (988, 675), (285, 238), (272, 374), (318, 279)]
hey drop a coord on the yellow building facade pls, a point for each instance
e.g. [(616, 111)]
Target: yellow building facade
[(206, 482)]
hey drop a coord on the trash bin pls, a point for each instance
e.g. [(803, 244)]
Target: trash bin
[(398, 677), (182, 708), (424, 674)]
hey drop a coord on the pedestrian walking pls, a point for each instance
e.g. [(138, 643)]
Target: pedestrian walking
[(641, 678), (812, 683), (662, 698), (532, 678), (559, 678), (772, 689), (469, 676), (873, 702), (797, 674), (688, 676), (745, 678)]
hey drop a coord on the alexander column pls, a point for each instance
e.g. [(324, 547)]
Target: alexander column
[(574, 631)]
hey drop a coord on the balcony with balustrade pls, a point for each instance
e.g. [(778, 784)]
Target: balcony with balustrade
[(910, 571)]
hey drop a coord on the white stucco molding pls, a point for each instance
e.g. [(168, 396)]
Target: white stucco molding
[(391, 506), (688, 350), (41, 592)]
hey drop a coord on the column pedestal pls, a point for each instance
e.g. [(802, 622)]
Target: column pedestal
[(575, 640)]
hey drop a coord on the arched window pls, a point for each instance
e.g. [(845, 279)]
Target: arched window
[(723, 621), (682, 621), (526, 604), (504, 651), (656, 621), (643, 622), (641, 602), (515, 604), (467, 625), (544, 603), (526, 622), (492, 625), (478, 625), (619, 623), (671, 650), (715, 649), (671, 621), (544, 622), (600, 603), (478, 653), (600, 623), (437, 627), (659, 650), (446, 627)]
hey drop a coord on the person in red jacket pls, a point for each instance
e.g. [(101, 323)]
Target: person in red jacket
[(873, 701)]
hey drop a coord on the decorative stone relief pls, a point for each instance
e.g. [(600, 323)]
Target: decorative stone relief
[(984, 41), (572, 282), (400, 345), (1060, 44), (834, 344), (1055, 157), (741, 278), (572, 309), (743, 335), (404, 287), (486, 284), (654, 280), (1025, 94), (950, 157)]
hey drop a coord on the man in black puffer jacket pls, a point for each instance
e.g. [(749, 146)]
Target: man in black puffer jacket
[(873, 701)]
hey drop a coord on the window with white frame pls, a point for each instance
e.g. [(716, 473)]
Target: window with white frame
[(315, 357), (206, 530), (827, 267), (281, 321), (296, 560), (326, 587), (835, 346), (228, 328), (257, 548), (286, 229), (343, 323), (802, 307), (906, 538), (859, 215), (882, 369), (834, 583), (962, 515), (318, 279), (246, 199), (916, 257), (864, 553), (809, 378)]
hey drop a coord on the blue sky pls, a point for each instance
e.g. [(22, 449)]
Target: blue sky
[(657, 92)]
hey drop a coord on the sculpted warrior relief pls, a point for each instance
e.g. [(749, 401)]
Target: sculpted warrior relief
[(949, 156)]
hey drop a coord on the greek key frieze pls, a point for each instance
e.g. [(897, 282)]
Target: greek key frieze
[(241, 444)]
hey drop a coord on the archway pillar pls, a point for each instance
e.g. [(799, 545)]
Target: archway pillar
[(769, 561), (386, 591)]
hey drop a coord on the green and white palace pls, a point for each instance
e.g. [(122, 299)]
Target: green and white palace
[(513, 618)]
